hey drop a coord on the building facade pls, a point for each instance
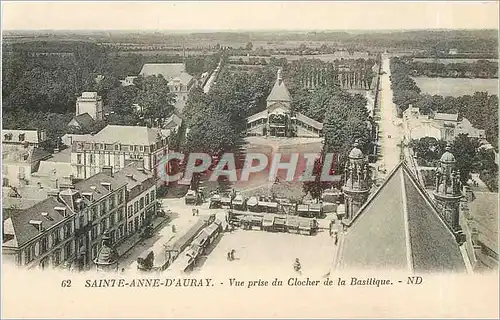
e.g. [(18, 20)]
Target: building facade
[(140, 196), (91, 103), (116, 146), (279, 120), (441, 126)]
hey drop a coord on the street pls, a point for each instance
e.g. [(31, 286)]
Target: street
[(391, 134)]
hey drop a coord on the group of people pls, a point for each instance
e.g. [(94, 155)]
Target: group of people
[(230, 255)]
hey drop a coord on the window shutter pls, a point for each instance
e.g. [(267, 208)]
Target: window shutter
[(37, 248)]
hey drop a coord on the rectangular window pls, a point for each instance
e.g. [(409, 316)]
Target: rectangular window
[(28, 254), (79, 159), (81, 220), (112, 219), (56, 258), (136, 207), (130, 227), (120, 231), (147, 198), (103, 225), (120, 197), (44, 246), (152, 195), (141, 202), (94, 232), (67, 230), (103, 208), (68, 250), (56, 237), (112, 235), (130, 211)]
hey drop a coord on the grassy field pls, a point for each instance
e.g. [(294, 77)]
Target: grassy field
[(448, 61), (323, 57), (456, 87)]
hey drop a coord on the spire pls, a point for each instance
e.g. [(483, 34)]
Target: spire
[(357, 181), (448, 189), (279, 79)]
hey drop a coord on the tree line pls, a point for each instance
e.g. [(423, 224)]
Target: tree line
[(477, 69)]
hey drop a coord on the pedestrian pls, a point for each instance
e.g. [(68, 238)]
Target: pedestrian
[(232, 254), (336, 237), (228, 256), (173, 228), (296, 266)]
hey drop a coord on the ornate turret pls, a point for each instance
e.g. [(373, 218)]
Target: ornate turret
[(357, 181), (107, 257), (448, 190)]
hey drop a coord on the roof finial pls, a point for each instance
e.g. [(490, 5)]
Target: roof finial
[(279, 75)]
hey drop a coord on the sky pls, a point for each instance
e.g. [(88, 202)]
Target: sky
[(249, 15)]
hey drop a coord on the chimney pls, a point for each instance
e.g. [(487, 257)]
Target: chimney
[(107, 170), (130, 176), (38, 224)]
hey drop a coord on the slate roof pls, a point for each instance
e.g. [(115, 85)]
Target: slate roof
[(399, 228), (169, 71), (313, 123), (99, 191), (129, 135), (279, 92), (484, 209), (173, 121), (446, 116), (84, 121), (54, 169), (138, 176), (23, 231)]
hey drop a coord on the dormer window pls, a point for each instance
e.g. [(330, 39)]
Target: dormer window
[(106, 185), (22, 136), (8, 136), (38, 224), (46, 216), (61, 210)]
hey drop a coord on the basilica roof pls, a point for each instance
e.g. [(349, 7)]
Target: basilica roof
[(399, 228)]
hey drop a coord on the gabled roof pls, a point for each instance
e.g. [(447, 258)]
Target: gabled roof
[(93, 185), (24, 231), (84, 121), (173, 121), (169, 71), (129, 135), (399, 228), (279, 92), (133, 176), (446, 116), (313, 123)]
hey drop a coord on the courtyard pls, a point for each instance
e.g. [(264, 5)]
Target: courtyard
[(261, 253)]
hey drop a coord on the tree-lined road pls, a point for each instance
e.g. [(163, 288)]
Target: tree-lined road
[(391, 134)]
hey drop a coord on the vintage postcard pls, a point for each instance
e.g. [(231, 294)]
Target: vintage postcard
[(250, 159)]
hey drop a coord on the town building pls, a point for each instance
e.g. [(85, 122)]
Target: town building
[(34, 138), (179, 81), (81, 123), (19, 162), (41, 236), (140, 196), (442, 126), (116, 146), (91, 103), (105, 197), (67, 227), (128, 81), (279, 120)]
